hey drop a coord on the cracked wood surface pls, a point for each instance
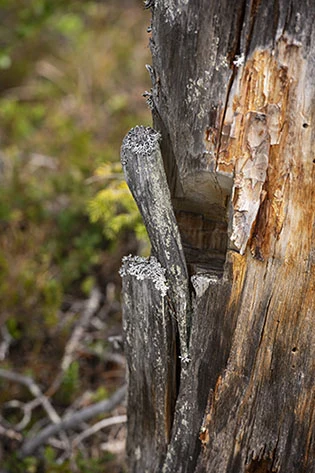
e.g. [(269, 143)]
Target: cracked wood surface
[(233, 99), (150, 348), (143, 167)]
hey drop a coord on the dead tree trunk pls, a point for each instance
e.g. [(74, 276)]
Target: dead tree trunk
[(220, 327)]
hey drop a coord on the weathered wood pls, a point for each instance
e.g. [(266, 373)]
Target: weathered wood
[(208, 356), (233, 98), (143, 166), (149, 340)]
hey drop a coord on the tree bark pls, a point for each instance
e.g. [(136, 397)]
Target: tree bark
[(233, 100)]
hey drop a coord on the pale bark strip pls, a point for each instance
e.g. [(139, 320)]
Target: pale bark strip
[(145, 175), (91, 306)]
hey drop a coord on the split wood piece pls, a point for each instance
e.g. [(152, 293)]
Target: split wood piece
[(150, 348), (143, 166), (209, 352)]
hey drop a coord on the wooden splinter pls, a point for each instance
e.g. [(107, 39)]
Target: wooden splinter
[(144, 172)]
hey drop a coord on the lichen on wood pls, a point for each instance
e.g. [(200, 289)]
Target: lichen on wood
[(145, 268), (144, 171), (234, 104), (150, 347)]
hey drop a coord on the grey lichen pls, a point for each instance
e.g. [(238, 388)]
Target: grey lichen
[(145, 268), (145, 175), (172, 9), (151, 73), (149, 4), (149, 99), (141, 141)]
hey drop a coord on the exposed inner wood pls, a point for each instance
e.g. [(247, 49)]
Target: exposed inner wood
[(202, 217), (204, 242), (238, 148), (235, 196)]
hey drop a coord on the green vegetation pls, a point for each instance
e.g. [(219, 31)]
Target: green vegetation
[(71, 78), (48, 464)]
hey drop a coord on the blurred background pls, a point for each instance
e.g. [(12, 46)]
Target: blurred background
[(72, 75)]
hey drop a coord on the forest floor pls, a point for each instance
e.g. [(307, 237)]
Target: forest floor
[(71, 84)]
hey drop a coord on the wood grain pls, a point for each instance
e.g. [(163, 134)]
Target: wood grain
[(233, 100), (145, 175)]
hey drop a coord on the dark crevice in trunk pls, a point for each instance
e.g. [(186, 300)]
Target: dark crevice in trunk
[(204, 242), (236, 50), (275, 21), (260, 466), (252, 19)]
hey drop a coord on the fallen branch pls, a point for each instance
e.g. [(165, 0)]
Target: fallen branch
[(85, 414), (10, 433), (34, 389), (102, 424), (26, 408), (6, 342), (91, 307)]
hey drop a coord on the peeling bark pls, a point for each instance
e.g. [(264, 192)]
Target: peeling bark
[(233, 96)]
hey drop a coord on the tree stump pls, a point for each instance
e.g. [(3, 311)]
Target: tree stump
[(221, 365)]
